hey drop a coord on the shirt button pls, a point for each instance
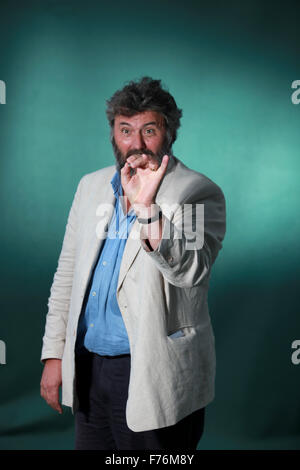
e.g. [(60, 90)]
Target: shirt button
[(104, 263), (93, 294), (92, 324)]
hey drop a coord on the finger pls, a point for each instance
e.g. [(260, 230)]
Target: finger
[(125, 173), (134, 156), (53, 398), (139, 161), (153, 166), (163, 165)]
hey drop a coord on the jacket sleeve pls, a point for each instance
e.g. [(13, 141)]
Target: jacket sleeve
[(60, 292), (182, 262)]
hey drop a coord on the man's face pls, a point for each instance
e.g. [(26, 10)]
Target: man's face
[(142, 133)]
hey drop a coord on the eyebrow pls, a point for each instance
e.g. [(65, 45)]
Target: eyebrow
[(147, 124)]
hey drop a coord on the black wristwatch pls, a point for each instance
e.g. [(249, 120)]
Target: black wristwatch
[(151, 219)]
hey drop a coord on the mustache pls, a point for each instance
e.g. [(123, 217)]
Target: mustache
[(121, 158), (139, 152)]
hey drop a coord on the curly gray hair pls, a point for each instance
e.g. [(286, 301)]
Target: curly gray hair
[(145, 95)]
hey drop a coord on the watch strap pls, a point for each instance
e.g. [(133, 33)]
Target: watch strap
[(151, 219)]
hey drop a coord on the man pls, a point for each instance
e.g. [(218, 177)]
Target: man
[(128, 332)]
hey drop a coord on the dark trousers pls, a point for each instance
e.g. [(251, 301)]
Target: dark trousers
[(100, 420)]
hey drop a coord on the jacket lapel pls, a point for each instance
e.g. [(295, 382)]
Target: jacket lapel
[(102, 210)]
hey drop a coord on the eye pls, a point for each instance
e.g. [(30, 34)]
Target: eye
[(150, 131), (125, 131)]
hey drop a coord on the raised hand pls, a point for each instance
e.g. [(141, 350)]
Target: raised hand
[(142, 186)]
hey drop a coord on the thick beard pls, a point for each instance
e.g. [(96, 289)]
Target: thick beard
[(121, 159)]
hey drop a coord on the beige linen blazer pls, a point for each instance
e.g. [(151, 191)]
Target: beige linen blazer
[(159, 292)]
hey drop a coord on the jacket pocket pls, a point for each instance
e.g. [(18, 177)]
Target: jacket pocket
[(177, 334), (181, 332)]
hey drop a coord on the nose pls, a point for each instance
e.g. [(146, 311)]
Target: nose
[(138, 141)]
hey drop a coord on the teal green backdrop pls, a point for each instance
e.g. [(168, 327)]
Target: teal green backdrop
[(230, 67)]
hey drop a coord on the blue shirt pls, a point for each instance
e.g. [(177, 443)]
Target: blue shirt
[(101, 329)]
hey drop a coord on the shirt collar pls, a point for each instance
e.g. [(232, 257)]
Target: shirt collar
[(116, 184)]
